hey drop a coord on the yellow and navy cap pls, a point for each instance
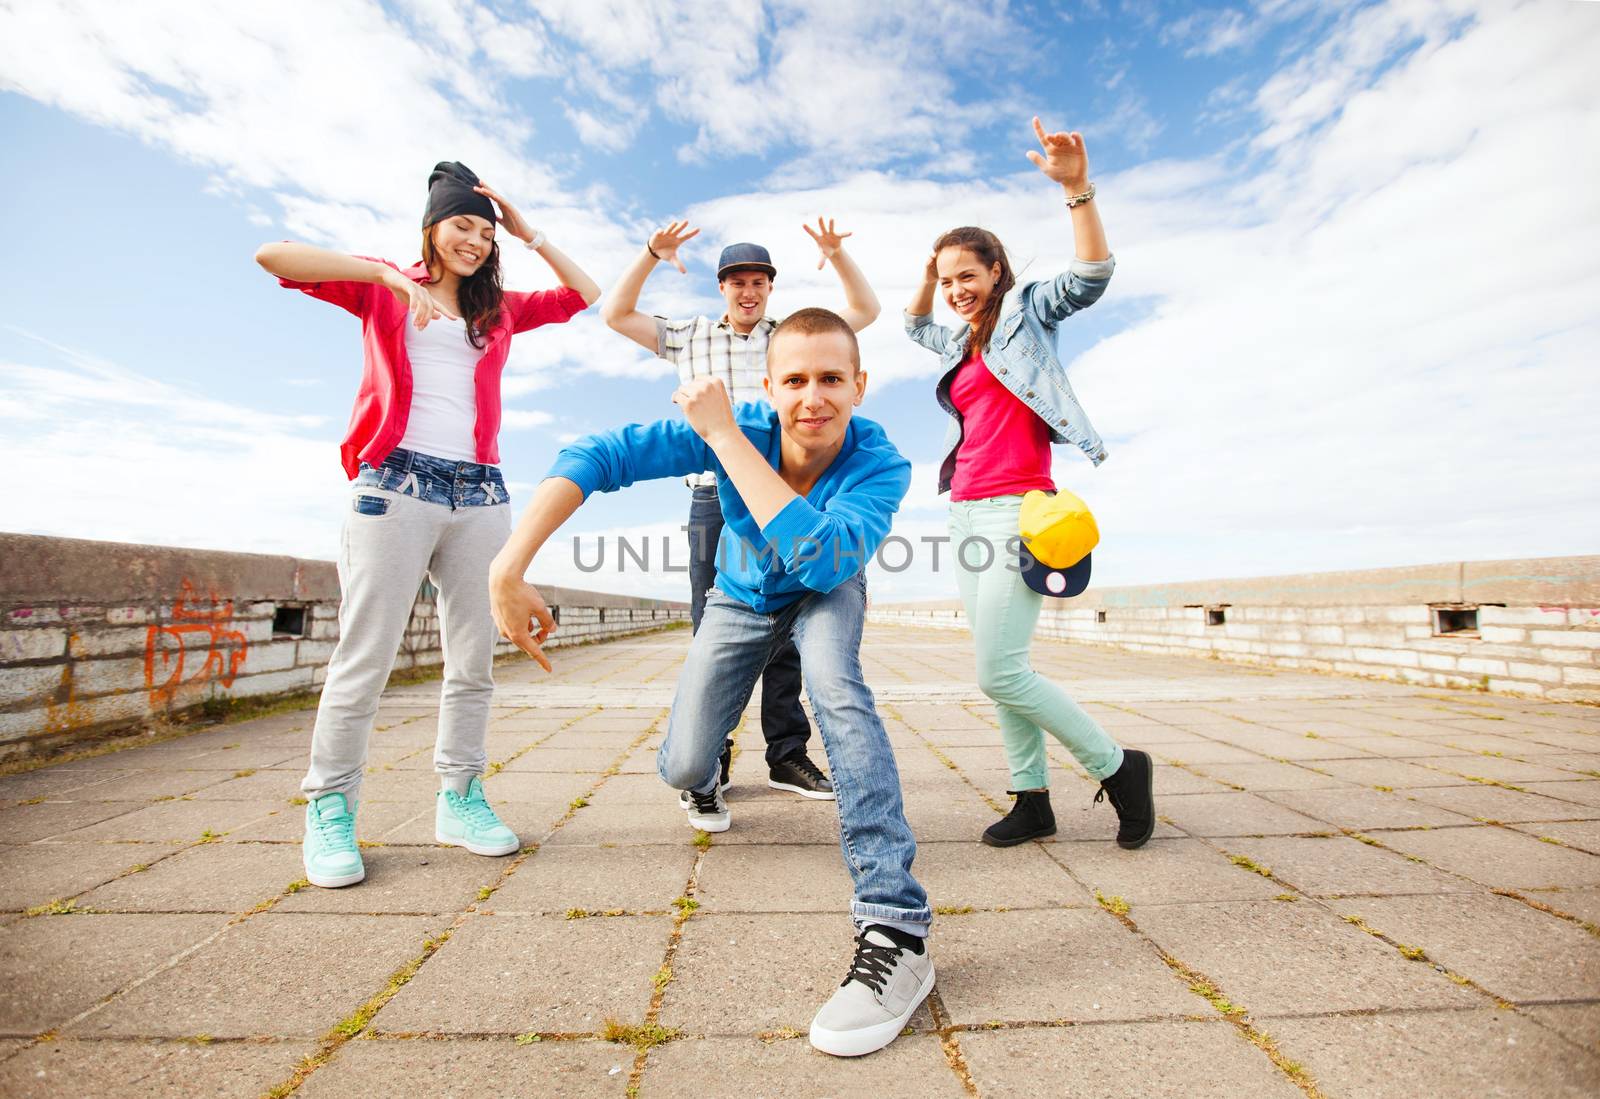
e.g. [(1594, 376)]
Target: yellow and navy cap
[(1058, 531)]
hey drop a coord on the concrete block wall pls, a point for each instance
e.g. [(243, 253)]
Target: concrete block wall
[(1538, 623), (100, 635)]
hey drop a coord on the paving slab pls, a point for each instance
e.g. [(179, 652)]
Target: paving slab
[(964, 873), (597, 879), (53, 967), (1188, 1060), (1366, 809), (1393, 773), (1338, 864), (743, 974), (1233, 814), (1579, 1023), (1582, 903), (509, 974), (1163, 871), (212, 877), (401, 880), (791, 1069), (1271, 775), (1512, 950), (254, 978), (779, 878), (1497, 857), (1482, 1053), (28, 823), (1094, 995), (469, 1069), (36, 874), (179, 1070), (1066, 965), (1272, 957), (176, 821)]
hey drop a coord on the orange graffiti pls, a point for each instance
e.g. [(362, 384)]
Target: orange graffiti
[(225, 648)]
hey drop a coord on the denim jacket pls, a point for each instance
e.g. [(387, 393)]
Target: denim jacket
[(1022, 357)]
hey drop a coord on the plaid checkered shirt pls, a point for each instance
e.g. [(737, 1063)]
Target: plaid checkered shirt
[(704, 348)]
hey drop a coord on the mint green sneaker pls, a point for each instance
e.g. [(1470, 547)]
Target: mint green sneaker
[(469, 822), (329, 852)]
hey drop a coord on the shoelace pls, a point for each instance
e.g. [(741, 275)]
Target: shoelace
[(705, 803), (872, 964), (1104, 792), (809, 769), (339, 831), (476, 811)]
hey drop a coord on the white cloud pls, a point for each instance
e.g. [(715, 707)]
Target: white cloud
[(132, 459), (523, 419)]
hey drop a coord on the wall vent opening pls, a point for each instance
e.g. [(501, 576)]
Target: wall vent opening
[(1099, 616), (1455, 621), (1217, 616), (289, 622)]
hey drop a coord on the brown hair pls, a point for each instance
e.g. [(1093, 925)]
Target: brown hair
[(480, 296), (814, 322), (988, 250)]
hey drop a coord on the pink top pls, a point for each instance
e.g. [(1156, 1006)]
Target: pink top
[(383, 402), (1005, 446)]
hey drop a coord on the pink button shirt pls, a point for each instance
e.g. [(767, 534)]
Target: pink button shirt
[(1005, 446), (383, 402)]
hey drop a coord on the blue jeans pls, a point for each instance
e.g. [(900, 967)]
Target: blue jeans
[(783, 721), (726, 657)]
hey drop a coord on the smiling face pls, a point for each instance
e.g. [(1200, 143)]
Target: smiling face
[(746, 293), (965, 281), (462, 243), (815, 385)]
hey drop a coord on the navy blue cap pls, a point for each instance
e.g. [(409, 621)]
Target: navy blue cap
[(745, 256), (1054, 582)]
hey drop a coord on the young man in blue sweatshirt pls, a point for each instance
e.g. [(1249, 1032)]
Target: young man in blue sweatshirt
[(808, 493)]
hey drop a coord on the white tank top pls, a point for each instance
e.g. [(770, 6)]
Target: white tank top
[(444, 406)]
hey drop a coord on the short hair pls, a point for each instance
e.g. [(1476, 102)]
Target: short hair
[(815, 321)]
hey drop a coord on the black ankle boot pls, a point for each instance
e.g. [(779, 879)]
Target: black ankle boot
[(1132, 794), (1029, 819)]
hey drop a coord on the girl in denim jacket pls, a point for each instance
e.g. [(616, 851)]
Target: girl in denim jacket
[(1008, 398), (428, 500)]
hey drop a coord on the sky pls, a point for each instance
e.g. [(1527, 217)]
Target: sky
[(1353, 324)]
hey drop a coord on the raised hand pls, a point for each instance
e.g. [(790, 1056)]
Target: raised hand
[(664, 243), (514, 222), (828, 240), (1064, 159), (705, 405)]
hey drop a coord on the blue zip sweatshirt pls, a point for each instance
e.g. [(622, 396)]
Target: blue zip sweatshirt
[(815, 543)]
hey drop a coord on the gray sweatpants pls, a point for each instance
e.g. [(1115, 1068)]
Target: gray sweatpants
[(382, 562)]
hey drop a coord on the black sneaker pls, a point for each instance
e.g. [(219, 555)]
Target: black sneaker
[(1029, 819), (799, 775), (1133, 796)]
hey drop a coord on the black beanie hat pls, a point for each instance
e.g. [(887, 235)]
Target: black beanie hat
[(450, 192)]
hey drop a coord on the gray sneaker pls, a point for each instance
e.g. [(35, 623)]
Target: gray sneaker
[(890, 975), (707, 812)]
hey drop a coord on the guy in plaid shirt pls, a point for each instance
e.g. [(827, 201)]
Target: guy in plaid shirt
[(733, 349)]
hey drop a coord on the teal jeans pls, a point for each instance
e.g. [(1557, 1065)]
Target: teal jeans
[(1002, 611)]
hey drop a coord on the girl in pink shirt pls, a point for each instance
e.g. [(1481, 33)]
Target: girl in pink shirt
[(1009, 399), (428, 500)]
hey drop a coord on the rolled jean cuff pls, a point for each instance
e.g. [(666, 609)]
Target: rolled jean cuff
[(913, 921), (1110, 769), (1032, 780)]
